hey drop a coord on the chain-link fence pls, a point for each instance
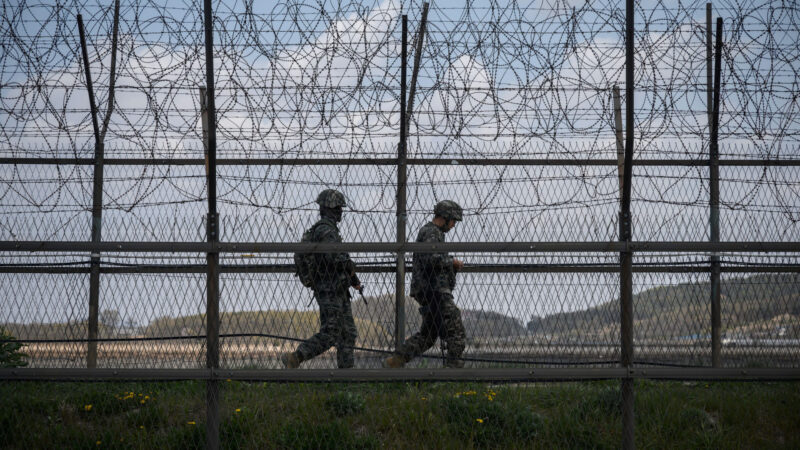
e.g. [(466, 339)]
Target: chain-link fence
[(162, 226)]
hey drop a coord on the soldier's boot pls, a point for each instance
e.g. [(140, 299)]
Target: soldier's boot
[(290, 360), (394, 362)]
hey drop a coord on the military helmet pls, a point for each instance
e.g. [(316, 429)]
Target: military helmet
[(448, 209), (331, 198)]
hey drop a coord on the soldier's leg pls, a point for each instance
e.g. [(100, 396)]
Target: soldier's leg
[(426, 336), (347, 336), (452, 332), (329, 312)]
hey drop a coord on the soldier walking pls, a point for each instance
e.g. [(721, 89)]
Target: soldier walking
[(432, 283), (331, 276)]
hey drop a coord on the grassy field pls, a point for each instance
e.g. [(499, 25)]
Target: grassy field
[(398, 415)]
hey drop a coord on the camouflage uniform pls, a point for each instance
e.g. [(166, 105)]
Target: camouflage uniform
[(335, 274), (432, 283)]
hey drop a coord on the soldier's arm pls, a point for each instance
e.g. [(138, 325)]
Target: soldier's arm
[(436, 261), (339, 260)]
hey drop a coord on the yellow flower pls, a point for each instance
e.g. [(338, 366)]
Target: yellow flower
[(141, 401), (147, 397), (141, 427), (479, 420), (87, 407), (424, 398), (191, 422), (238, 410), (99, 442), (228, 380)]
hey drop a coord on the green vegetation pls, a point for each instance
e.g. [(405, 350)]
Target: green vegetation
[(11, 354), (343, 403), (398, 415)]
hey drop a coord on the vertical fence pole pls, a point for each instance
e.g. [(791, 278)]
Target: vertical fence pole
[(402, 171), (212, 232), (626, 257), (400, 281), (709, 66), (204, 123), (417, 60), (112, 79), (716, 318), (619, 138), (97, 209)]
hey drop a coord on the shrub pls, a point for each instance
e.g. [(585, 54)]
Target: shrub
[(488, 422), (343, 403), (602, 402), (10, 354), (697, 420)]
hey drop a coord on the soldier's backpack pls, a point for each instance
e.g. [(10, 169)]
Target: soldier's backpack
[(306, 263)]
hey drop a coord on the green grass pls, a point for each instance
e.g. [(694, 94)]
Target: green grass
[(398, 415)]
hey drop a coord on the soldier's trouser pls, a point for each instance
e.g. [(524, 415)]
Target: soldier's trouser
[(440, 318), (336, 328)]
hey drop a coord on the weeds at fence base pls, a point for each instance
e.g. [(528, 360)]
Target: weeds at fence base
[(391, 415), (482, 421), (343, 403)]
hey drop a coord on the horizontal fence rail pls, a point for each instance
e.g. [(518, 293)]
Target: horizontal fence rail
[(393, 161), (387, 247), (388, 375), (112, 268)]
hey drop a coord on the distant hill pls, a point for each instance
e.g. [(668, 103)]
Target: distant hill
[(758, 306), (69, 330), (478, 324), (374, 320), (762, 306)]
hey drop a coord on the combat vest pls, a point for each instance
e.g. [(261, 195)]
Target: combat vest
[(432, 272)]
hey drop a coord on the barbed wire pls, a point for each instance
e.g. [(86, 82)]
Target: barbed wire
[(321, 80)]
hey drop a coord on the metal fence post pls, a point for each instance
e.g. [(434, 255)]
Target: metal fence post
[(417, 61), (626, 257), (618, 135), (212, 233), (716, 319), (406, 108), (709, 67), (97, 209), (400, 281), (204, 123)]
